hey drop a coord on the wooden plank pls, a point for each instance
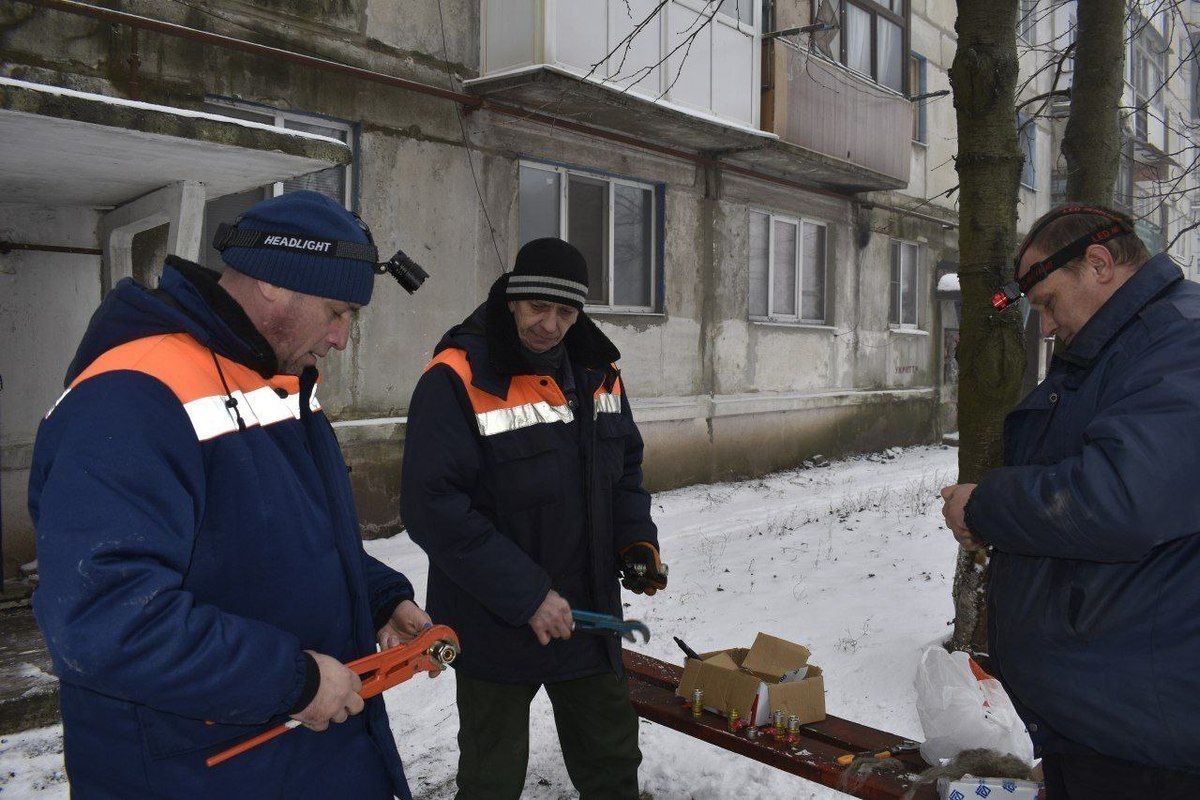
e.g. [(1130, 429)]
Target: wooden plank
[(652, 686)]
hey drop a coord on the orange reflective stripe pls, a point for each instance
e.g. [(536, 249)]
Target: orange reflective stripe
[(522, 390), (607, 401), (184, 365), (532, 399), (187, 368)]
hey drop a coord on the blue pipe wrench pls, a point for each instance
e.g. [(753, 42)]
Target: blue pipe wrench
[(592, 622)]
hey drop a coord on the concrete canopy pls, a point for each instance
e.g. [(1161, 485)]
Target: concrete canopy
[(551, 91), (69, 148)]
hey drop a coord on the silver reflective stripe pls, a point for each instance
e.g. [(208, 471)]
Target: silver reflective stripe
[(510, 419), (61, 397), (608, 403), (212, 418)]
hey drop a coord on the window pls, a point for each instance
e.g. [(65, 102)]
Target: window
[(1058, 184), (787, 268), (740, 10), (766, 18), (613, 222), (1193, 56), (903, 309), (335, 182), (1148, 68), (1027, 20), (872, 39), (916, 83), (1123, 191), (1027, 141), (1062, 18)]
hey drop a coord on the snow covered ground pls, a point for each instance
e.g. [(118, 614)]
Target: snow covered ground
[(850, 560)]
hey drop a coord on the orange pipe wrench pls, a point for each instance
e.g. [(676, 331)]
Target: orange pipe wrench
[(431, 651)]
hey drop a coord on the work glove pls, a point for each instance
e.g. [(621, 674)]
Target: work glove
[(641, 568)]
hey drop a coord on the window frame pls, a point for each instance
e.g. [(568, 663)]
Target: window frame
[(798, 318), (1147, 47), (1027, 21), (1027, 141), (919, 64), (896, 313), (876, 11), (657, 225), (268, 115), (279, 119), (1192, 39)]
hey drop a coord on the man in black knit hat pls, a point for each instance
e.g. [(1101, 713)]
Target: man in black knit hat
[(522, 480)]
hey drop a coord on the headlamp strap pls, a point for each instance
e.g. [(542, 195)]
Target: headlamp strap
[(1038, 272), (1010, 292), (233, 236)]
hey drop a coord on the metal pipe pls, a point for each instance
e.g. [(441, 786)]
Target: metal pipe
[(8, 247)]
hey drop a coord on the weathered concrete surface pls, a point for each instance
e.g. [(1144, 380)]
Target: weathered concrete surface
[(28, 688), (101, 151)]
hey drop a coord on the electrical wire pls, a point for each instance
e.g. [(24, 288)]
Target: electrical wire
[(462, 126)]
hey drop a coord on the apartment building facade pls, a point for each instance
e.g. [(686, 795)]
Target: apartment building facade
[(765, 211)]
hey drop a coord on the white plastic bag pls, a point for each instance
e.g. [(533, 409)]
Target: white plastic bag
[(960, 711)]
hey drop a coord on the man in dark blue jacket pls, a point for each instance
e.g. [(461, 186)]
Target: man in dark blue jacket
[(202, 573), (1094, 521), (522, 480)]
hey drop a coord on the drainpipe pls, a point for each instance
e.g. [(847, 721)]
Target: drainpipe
[(1, 507)]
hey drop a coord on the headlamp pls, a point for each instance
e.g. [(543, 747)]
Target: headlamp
[(407, 272), (1012, 291)]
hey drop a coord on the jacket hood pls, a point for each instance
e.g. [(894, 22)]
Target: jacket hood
[(492, 323), (188, 300)]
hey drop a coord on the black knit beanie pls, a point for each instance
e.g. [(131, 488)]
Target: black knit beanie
[(549, 269)]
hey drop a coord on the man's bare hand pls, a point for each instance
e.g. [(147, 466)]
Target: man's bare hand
[(337, 697), (954, 505), (552, 620), (406, 622)]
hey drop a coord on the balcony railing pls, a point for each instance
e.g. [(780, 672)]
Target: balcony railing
[(682, 54), (821, 106)]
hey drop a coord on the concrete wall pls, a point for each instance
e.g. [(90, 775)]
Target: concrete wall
[(46, 300)]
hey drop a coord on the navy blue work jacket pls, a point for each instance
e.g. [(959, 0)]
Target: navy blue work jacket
[(190, 549), (514, 490), (1094, 600)]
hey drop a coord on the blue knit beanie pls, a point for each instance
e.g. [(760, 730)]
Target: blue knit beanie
[(303, 241)]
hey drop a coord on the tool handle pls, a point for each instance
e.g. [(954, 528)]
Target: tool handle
[(431, 651), (848, 758), (253, 741), (687, 651)]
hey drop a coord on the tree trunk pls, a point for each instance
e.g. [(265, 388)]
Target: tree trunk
[(1091, 145), (991, 353)]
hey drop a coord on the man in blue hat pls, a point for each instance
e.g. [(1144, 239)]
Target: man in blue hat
[(202, 574), (522, 480)]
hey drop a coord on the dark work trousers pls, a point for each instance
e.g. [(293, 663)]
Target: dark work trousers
[(1094, 777), (597, 730)]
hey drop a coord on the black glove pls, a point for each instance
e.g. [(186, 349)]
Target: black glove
[(641, 568)]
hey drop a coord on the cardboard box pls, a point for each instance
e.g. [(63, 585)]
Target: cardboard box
[(773, 674), (971, 788)]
